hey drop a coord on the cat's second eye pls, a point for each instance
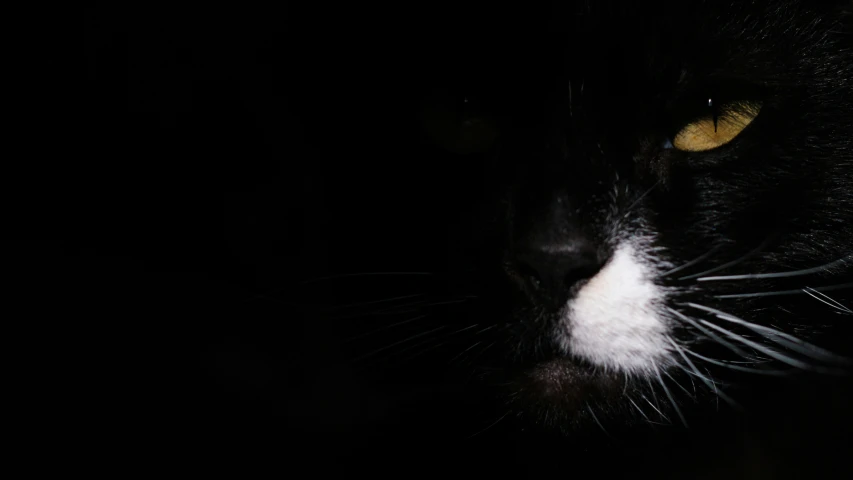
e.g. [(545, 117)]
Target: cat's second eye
[(717, 128)]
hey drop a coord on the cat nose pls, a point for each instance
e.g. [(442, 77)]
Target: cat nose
[(553, 273)]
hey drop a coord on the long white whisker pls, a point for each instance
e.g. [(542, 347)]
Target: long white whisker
[(656, 408), (373, 302), (480, 353), (717, 392), (710, 383), (713, 336), (671, 399), (683, 389), (365, 274), (729, 264), (442, 337), (692, 262), (638, 200), (737, 367), (491, 425), (761, 348), (396, 308), (386, 327), (774, 335), (793, 273), (374, 352), (463, 352), (828, 288), (638, 408), (689, 363), (822, 297), (691, 373), (588, 407)]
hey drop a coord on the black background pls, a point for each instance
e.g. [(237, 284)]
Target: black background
[(230, 154)]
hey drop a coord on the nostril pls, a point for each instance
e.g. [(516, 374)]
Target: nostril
[(552, 274), (580, 273)]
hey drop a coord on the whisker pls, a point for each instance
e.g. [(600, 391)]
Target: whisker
[(638, 200), (481, 352), (652, 391), (364, 274), (761, 348), (683, 389), (399, 309), (696, 260), (463, 352), (730, 264), (827, 300), (433, 347), (638, 408), (717, 393), (713, 336), (737, 367), (656, 408), (794, 343), (491, 425), (692, 381), (828, 288), (485, 329), (671, 399), (385, 327), (403, 309), (794, 273), (382, 349), (689, 363), (374, 302), (707, 380), (589, 408), (429, 304)]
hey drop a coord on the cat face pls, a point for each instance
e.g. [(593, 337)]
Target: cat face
[(676, 207)]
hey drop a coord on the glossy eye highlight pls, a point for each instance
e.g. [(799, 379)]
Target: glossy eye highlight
[(717, 128)]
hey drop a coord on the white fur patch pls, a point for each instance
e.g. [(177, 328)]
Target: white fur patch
[(615, 322)]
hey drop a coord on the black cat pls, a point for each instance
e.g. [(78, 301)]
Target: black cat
[(658, 213), (678, 209), (667, 211)]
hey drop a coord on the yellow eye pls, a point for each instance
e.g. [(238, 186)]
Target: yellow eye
[(703, 134)]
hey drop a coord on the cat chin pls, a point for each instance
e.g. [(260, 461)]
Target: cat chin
[(561, 392)]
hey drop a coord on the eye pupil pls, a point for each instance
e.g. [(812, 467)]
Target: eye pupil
[(713, 113)]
